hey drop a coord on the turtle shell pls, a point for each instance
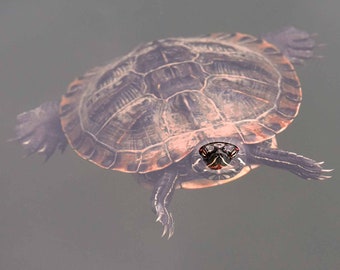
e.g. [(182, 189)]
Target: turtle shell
[(150, 108)]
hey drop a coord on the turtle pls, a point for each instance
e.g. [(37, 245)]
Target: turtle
[(185, 112)]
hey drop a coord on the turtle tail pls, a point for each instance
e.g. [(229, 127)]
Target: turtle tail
[(39, 130)]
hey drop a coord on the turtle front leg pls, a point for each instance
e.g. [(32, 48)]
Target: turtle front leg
[(294, 43), (301, 166), (161, 198)]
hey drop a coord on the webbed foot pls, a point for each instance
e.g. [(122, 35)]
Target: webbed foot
[(161, 197), (39, 130), (166, 219), (294, 43)]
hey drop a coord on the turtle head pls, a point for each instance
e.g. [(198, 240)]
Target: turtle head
[(220, 159), (217, 155)]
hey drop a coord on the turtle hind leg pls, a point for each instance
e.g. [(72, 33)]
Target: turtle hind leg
[(39, 130), (301, 166), (294, 43)]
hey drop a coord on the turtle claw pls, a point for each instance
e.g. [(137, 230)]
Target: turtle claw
[(323, 173), (320, 163), (324, 176), (327, 170), (166, 219)]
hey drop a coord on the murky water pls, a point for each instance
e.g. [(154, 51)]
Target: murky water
[(70, 214)]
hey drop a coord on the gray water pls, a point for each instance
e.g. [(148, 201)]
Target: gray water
[(70, 214)]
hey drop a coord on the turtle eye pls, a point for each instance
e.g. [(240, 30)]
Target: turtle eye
[(233, 152), (203, 151), (206, 150), (230, 149)]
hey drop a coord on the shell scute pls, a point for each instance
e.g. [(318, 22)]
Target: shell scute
[(168, 80), (128, 161), (162, 55)]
